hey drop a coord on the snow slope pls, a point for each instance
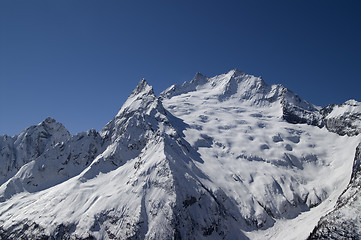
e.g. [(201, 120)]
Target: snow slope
[(272, 169), (227, 157)]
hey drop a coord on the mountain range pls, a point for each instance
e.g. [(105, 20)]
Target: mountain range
[(224, 157)]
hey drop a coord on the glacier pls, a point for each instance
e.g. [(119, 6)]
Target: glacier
[(224, 157)]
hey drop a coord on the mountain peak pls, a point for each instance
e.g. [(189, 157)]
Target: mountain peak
[(30, 144), (142, 87), (199, 79), (140, 98), (344, 118), (235, 72), (352, 102), (198, 75), (49, 120), (141, 102)]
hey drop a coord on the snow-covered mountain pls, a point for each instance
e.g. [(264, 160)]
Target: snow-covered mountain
[(227, 157), (28, 145)]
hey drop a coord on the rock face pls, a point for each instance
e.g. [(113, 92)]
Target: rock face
[(296, 110), (344, 222), (227, 157)]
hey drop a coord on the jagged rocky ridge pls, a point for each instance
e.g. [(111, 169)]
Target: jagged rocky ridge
[(215, 158)]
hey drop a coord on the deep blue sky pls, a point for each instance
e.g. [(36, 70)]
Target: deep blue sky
[(77, 61)]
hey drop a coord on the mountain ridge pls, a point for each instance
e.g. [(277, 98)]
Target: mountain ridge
[(227, 157)]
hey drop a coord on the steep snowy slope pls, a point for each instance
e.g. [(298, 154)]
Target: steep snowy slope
[(344, 222), (227, 157)]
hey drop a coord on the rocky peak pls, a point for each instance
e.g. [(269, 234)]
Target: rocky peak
[(297, 110), (40, 137), (199, 79), (48, 120), (343, 119), (140, 99), (138, 117), (30, 144), (142, 88)]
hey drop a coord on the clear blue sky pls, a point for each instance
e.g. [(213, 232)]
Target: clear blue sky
[(77, 61)]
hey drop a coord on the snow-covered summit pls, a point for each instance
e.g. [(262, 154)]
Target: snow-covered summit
[(223, 86), (241, 87), (235, 84), (140, 98), (59, 163), (142, 107), (28, 145)]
